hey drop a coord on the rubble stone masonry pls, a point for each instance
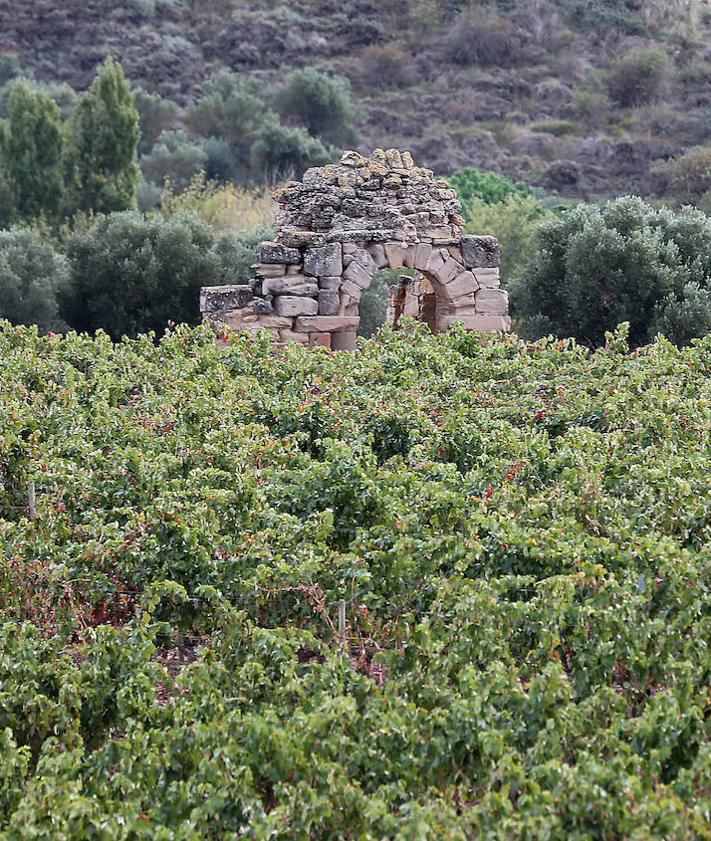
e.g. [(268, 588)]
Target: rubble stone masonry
[(341, 224)]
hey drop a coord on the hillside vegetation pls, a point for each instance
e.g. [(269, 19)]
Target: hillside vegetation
[(586, 98), (520, 533)]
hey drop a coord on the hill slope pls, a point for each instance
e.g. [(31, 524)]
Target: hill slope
[(518, 87)]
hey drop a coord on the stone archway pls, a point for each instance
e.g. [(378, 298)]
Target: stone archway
[(341, 224)]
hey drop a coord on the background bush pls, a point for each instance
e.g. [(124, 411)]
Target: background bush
[(225, 207), (513, 222), (481, 35), (386, 66), (175, 156), (596, 266), (639, 78), (686, 178), (320, 103), (33, 279), (476, 187), (281, 152), (134, 274)]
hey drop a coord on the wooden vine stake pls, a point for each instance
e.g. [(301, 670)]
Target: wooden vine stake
[(342, 621), (32, 499)]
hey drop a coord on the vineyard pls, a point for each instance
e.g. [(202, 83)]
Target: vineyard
[(520, 533)]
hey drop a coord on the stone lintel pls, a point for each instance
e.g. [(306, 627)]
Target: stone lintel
[(326, 323)]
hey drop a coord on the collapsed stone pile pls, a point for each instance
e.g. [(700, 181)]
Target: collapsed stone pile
[(336, 228)]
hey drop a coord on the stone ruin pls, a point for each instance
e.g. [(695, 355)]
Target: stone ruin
[(341, 224)]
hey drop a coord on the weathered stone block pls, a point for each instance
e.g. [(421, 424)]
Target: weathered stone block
[(292, 336), (423, 252), (326, 323), (450, 269), (408, 257), (329, 283), (365, 259), (231, 318), (286, 305), (435, 263), (466, 300), (329, 302), (487, 278), (269, 269), (438, 233), (320, 340), (263, 306), (299, 238), (411, 307), (351, 290), (276, 252), (481, 252), (358, 275), (492, 302), (464, 309), (231, 297), (346, 340), (377, 252), (395, 253), (272, 322), (349, 306), (325, 260), (465, 283), (290, 285)]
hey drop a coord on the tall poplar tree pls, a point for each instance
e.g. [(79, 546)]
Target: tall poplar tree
[(105, 133), (32, 149)]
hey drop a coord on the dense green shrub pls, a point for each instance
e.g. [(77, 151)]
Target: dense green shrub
[(133, 274), (625, 261), (174, 156), (104, 173), (519, 532), (231, 111), (64, 97), (155, 116), (33, 277), (684, 317), (686, 178), (373, 305), (10, 68), (320, 103), (513, 222), (638, 77), (279, 152), (31, 154), (601, 15), (246, 142), (476, 187)]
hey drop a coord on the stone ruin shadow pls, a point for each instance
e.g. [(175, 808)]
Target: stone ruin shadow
[(340, 225)]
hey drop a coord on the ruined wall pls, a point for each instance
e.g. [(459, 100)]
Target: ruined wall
[(336, 228)]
